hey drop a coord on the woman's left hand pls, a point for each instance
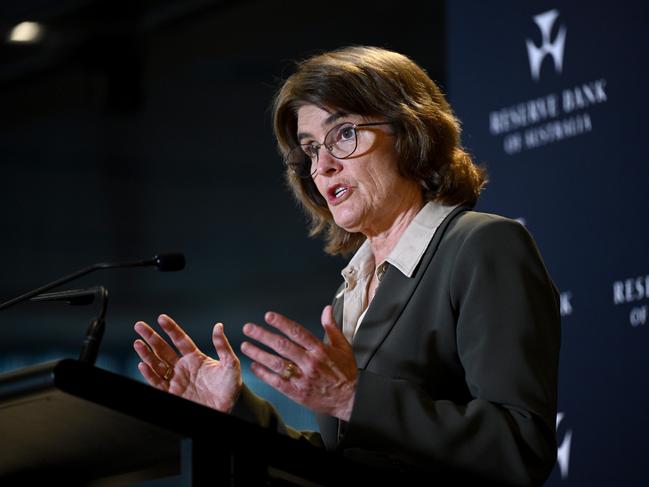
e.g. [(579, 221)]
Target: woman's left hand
[(321, 376)]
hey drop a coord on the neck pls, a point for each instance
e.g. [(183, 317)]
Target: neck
[(384, 241)]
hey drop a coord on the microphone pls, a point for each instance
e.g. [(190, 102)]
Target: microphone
[(162, 262), (168, 262)]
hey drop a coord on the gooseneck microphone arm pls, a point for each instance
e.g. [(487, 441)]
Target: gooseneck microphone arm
[(95, 332), (163, 262)]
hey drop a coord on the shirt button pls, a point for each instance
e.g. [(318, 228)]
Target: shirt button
[(381, 271)]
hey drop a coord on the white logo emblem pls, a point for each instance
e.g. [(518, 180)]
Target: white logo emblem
[(563, 452), (565, 304), (545, 21)]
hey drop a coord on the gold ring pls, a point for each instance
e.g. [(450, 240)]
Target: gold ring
[(168, 373), (289, 371)]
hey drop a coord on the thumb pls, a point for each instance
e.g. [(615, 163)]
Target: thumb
[(334, 333), (222, 345)]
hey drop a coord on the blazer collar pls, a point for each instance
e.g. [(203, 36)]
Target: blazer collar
[(391, 297)]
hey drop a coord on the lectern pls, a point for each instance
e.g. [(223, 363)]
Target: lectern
[(71, 423)]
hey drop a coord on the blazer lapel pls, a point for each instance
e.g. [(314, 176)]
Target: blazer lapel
[(391, 297)]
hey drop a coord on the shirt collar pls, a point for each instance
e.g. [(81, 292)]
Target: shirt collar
[(410, 248), (408, 251)]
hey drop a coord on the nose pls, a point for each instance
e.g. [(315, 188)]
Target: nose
[(327, 165)]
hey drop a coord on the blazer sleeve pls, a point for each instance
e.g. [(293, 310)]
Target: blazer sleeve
[(256, 410), (507, 325)]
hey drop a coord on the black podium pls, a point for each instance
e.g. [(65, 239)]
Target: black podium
[(69, 423)]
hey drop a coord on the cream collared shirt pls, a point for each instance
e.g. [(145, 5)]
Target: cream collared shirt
[(405, 256)]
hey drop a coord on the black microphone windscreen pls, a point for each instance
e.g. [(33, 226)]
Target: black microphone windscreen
[(170, 262)]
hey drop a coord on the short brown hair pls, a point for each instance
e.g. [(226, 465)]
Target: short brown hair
[(371, 81)]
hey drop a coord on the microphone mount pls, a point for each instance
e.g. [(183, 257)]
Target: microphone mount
[(95, 332)]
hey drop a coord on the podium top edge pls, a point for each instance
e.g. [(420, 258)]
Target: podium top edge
[(33, 378)]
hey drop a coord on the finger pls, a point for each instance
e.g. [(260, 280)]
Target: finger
[(293, 330), (336, 338), (179, 338), (223, 347), (151, 377), (156, 343), (335, 334), (155, 363), (270, 361), (282, 345), (275, 381)]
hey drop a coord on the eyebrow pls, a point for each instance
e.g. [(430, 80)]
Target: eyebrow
[(328, 121)]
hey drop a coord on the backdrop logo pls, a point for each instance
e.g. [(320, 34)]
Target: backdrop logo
[(552, 117), (563, 451), (565, 303), (554, 48), (633, 290)]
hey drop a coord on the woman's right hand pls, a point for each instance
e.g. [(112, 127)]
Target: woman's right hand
[(190, 373)]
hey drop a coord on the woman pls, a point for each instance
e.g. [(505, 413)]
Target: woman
[(447, 319)]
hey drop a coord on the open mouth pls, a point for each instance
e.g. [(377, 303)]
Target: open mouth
[(338, 193)]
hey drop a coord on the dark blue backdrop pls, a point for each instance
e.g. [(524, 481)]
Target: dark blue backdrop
[(565, 154)]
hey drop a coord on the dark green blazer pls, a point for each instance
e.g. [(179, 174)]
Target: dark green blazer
[(457, 364)]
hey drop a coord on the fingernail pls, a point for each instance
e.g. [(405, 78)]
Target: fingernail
[(247, 328), (270, 316)]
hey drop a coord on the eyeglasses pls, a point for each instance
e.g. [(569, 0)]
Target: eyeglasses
[(341, 142)]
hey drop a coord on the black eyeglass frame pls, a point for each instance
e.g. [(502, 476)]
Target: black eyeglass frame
[(295, 167)]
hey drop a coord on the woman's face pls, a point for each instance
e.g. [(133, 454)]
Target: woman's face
[(364, 192)]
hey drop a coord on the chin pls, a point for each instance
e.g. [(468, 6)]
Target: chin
[(348, 217), (351, 226)]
